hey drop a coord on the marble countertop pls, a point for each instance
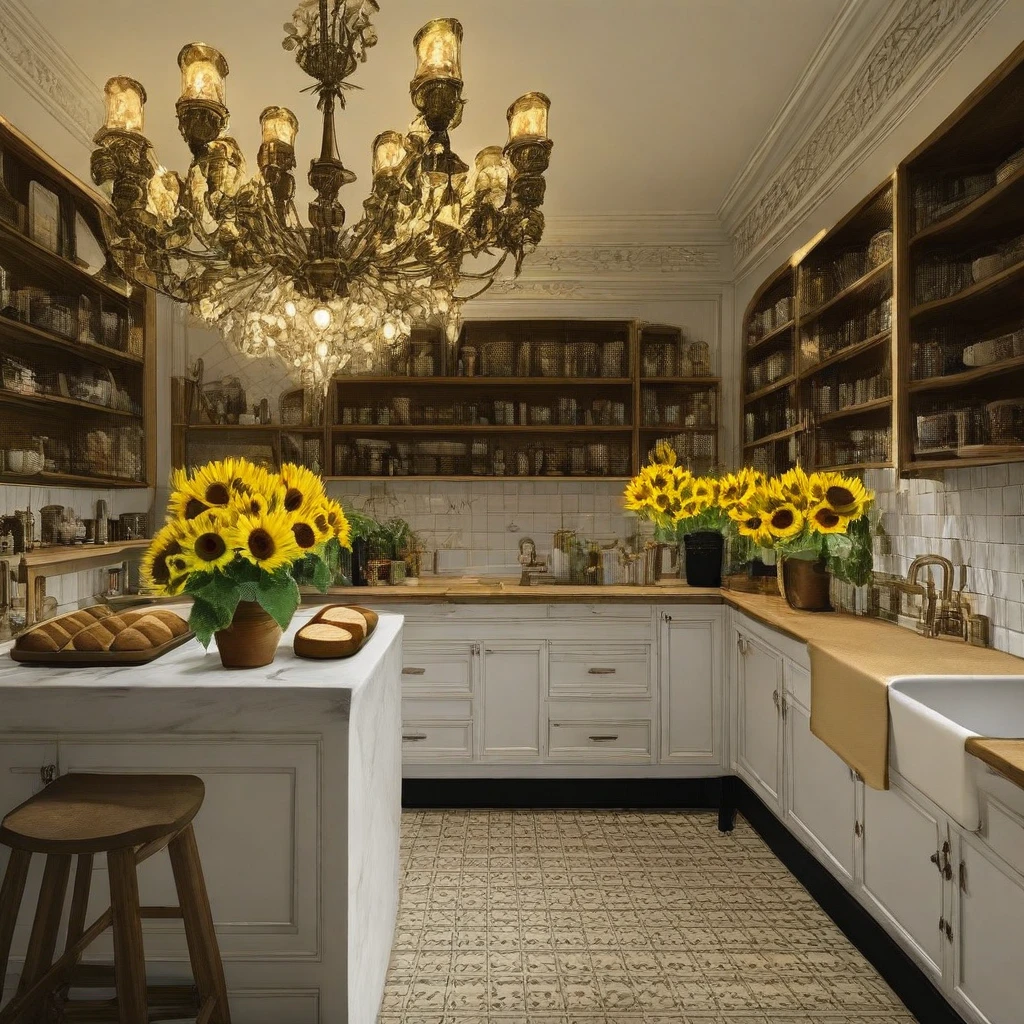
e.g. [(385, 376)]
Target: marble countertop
[(189, 666)]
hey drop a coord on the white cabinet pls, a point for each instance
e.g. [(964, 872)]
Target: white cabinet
[(988, 927), (821, 791), (906, 850), (758, 730), (514, 674), (691, 656), (438, 692)]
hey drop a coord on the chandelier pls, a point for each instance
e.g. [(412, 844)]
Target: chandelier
[(234, 248)]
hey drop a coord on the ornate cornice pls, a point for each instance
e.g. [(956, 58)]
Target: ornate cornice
[(32, 57), (918, 40), (624, 259)]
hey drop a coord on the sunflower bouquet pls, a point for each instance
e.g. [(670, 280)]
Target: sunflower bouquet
[(236, 532), (816, 516)]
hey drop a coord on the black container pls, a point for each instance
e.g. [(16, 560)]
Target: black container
[(360, 555), (704, 550)]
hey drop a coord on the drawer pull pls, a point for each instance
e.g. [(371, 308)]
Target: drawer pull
[(602, 671), (602, 737), (413, 737), (414, 671)]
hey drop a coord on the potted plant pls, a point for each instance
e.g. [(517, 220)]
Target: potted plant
[(240, 541), (684, 509), (365, 537), (817, 524), (401, 540)]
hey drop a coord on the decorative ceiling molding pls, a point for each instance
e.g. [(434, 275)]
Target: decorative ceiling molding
[(687, 228), (624, 259), (917, 40), (46, 70), (668, 288)]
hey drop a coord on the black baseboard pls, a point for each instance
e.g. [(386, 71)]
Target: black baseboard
[(675, 794), (905, 978)]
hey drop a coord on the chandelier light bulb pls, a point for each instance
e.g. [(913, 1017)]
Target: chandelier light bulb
[(289, 308), (389, 331), (321, 349), (271, 344), (126, 101), (322, 317)]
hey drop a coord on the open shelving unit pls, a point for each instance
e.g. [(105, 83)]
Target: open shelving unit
[(961, 380), (77, 381)]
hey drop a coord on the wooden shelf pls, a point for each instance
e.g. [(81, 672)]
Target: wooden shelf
[(773, 335), (875, 405), (1006, 280), (855, 467), (955, 380), (59, 402), (249, 428), (47, 479), (986, 215), (29, 334), (68, 557), (926, 463), (779, 435), (475, 428), (862, 284), (698, 381), (30, 251), (436, 382), (846, 354), (675, 428), (782, 382)]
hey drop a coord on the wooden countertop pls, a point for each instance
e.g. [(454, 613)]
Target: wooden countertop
[(1006, 756)]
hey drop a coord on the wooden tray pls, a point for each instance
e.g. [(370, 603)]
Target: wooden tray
[(97, 659)]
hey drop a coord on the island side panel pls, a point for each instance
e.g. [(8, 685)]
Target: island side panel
[(374, 823)]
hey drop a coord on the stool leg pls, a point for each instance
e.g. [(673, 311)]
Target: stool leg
[(129, 957), (203, 949), (43, 940), (11, 893)]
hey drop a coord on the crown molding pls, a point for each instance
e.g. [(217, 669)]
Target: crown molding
[(915, 42), (47, 71), (686, 228)]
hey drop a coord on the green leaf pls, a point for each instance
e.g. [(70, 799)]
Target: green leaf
[(279, 597), (197, 581), (322, 576), (241, 570), (205, 619)]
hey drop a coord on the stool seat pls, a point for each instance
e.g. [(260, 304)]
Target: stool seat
[(93, 813)]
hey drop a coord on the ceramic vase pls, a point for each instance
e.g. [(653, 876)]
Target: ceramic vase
[(251, 640), (805, 584)]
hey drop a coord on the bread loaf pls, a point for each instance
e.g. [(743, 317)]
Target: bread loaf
[(47, 636), (324, 640), (131, 639), (81, 619), (347, 618), (153, 630), (174, 622), (94, 638)]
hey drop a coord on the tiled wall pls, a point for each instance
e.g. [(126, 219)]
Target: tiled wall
[(972, 517), (479, 525)]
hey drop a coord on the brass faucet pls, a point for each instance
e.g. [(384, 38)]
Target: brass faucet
[(937, 614)]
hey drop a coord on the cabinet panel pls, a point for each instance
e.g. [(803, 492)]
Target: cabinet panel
[(599, 741), (758, 695), (989, 924), (821, 795), (602, 670), (437, 669), (436, 741), (691, 688), (901, 884), (261, 809), (514, 676)]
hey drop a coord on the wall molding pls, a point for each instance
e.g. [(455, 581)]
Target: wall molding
[(909, 48), (34, 59)]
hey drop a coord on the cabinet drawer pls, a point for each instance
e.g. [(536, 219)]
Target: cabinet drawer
[(599, 670), (437, 669), (427, 710), (437, 741), (599, 740), (798, 683)]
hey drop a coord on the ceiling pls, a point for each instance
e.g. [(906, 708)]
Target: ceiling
[(657, 105)]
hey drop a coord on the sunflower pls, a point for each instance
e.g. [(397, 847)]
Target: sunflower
[(302, 488), (664, 454), (825, 519), (203, 542), (735, 489), (786, 520), (304, 530), (216, 482), (638, 494), (845, 495), (705, 489), (753, 523), (183, 503), (339, 523), (792, 487), (266, 540), (153, 568), (250, 503)]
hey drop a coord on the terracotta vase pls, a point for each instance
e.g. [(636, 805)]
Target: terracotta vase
[(805, 584), (251, 640)]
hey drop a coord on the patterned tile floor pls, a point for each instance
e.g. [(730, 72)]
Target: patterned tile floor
[(600, 917)]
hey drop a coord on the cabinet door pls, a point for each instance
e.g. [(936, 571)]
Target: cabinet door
[(514, 676), (758, 717), (691, 687), (258, 835), (23, 763), (902, 884), (821, 795), (989, 923)]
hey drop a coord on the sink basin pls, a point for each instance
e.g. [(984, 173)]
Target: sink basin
[(933, 716)]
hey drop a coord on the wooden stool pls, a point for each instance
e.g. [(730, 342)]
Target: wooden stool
[(129, 818)]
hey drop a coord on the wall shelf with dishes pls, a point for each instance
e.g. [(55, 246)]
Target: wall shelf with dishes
[(962, 365), (77, 389)]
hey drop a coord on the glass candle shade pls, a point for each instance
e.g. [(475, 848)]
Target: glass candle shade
[(125, 100), (439, 50), (279, 125), (528, 117), (203, 70), (388, 152), (491, 173)]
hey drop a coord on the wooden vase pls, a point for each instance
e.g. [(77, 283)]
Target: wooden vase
[(805, 584), (251, 640)]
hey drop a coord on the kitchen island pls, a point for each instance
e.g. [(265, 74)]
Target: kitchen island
[(299, 833)]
